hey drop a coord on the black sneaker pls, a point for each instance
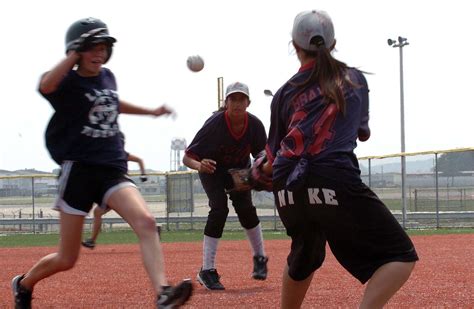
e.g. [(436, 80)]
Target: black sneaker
[(89, 243), (260, 267), (21, 295), (209, 278), (173, 297)]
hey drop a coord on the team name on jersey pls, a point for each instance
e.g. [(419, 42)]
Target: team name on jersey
[(95, 133), (304, 98), (316, 196), (103, 114)]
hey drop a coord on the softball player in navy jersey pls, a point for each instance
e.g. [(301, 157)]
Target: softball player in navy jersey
[(226, 141), (316, 118), (83, 137)]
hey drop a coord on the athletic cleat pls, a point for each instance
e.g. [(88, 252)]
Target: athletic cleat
[(21, 295), (173, 297), (260, 267), (209, 278), (89, 243)]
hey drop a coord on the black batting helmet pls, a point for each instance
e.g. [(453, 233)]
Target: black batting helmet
[(85, 25)]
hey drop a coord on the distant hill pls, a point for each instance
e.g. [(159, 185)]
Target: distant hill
[(147, 171), (420, 166), (26, 171), (32, 171), (413, 167)]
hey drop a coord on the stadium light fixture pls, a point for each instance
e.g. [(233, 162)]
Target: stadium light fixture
[(268, 92)]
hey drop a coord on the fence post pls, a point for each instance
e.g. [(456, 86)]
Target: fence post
[(191, 186), (409, 198), (404, 193), (447, 195), (274, 217), (40, 215), (370, 173), (33, 202), (168, 188), (416, 199), (437, 190)]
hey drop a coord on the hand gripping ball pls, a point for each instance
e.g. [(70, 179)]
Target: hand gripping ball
[(195, 63)]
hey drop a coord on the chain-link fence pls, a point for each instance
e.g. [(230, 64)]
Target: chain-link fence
[(440, 193), (439, 186)]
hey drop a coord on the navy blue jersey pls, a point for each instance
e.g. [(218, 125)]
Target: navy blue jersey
[(309, 136), (84, 126), (216, 141)]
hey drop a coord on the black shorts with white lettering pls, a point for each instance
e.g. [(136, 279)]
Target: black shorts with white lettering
[(360, 230), (81, 185)]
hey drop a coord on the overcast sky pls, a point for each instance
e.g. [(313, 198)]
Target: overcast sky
[(248, 41)]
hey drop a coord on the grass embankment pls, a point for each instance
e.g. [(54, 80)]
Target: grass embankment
[(127, 236)]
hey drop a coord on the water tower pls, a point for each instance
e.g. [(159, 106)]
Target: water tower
[(177, 145)]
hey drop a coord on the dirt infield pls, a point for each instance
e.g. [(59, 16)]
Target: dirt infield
[(112, 276)]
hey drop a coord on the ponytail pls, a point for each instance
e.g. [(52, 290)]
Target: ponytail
[(329, 73)]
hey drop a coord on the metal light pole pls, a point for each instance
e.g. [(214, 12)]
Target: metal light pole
[(400, 43), (220, 92)]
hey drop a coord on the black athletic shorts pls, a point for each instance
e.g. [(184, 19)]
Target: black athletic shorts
[(81, 185), (360, 230)]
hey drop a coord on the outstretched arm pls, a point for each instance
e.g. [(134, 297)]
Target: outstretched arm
[(129, 108)]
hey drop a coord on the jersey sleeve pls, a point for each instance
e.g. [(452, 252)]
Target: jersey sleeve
[(364, 129), (57, 97), (260, 139), (203, 143)]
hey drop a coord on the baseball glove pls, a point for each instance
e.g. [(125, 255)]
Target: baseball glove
[(240, 179), (257, 178)]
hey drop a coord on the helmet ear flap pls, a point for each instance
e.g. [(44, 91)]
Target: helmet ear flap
[(109, 53)]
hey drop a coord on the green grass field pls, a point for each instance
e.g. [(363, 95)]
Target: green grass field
[(127, 236)]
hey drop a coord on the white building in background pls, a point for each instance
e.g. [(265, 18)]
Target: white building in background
[(20, 183)]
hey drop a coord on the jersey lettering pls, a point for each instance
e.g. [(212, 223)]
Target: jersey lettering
[(282, 199), (294, 142), (313, 196), (304, 98), (329, 196), (290, 198), (102, 115), (294, 136), (322, 129)]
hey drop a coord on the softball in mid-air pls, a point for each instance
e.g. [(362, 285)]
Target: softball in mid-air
[(195, 63)]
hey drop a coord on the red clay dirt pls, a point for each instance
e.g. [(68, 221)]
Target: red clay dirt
[(112, 276)]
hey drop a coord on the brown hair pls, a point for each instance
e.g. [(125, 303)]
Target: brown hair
[(328, 72)]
